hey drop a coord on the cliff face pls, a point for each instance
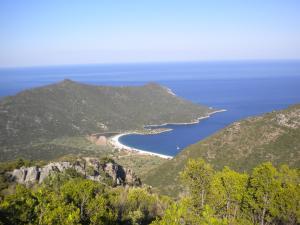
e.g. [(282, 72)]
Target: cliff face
[(90, 168)]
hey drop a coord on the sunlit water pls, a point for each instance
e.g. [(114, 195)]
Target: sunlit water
[(243, 88)]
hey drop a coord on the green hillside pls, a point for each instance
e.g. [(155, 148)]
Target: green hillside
[(69, 109), (271, 137)]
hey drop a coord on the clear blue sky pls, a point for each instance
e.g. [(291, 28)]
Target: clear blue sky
[(114, 31)]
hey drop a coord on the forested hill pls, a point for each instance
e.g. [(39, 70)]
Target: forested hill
[(271, 137), (69, 108)]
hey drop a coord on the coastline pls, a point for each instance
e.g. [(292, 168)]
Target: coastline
[(192, 122), (115, 142)]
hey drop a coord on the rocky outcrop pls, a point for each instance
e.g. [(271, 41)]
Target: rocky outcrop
[(26, 175), (121, 175), (91, 168)]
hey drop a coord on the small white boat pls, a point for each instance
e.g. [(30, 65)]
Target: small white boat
[(177, 147)]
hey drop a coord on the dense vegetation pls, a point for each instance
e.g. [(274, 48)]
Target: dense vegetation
[(226, 197), (68, 198), (228, 188), (265, 196), (271, 137), (33, 117)]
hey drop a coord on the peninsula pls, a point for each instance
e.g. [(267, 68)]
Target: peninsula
[(33, 118)]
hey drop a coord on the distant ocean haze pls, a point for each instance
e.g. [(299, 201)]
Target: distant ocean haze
[(243, 88)]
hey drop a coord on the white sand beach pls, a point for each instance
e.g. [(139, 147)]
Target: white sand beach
[(117, 144), (114, 141)]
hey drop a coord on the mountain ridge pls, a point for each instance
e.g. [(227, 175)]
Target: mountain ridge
[(69, 108)]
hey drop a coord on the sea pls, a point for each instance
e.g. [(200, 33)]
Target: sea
[(243, 88)]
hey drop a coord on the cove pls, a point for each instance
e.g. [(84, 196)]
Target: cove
[(240, 97), (243, 88)]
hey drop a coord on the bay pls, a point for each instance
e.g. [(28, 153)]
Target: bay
[(244, 89)]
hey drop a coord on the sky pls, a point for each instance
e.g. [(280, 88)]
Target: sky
[(57, 32)]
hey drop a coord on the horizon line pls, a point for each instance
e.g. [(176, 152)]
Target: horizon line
[(152, 62)]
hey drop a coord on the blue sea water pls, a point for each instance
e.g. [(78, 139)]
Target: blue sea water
[(245, 89)]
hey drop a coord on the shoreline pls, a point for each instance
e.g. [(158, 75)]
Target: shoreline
[(192, 122), (115, 142)]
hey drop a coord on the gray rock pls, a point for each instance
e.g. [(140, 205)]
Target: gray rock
[(19, 175), (32, 175), (119, 175)]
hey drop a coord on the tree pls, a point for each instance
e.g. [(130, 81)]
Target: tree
[(208, 216), (228, 189), (52, 209), (141, 205), (19, 208), (80, 192), (100, 211), (288, 199), (183, 213), (264, 186), (197, 177), (176, 214)]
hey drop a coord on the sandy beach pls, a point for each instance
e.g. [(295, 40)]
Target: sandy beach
[(117, 144), (114, 141)]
